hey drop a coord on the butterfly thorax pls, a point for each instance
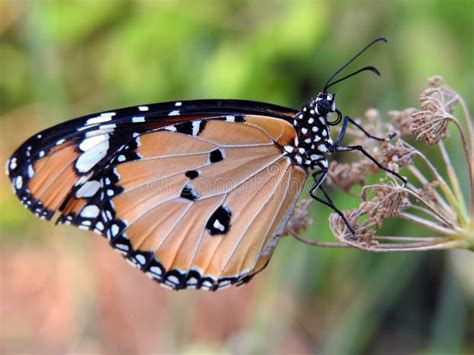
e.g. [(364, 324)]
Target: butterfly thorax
[(313, 141)]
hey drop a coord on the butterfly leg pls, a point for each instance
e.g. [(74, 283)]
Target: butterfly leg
[(328, 202), (348, 120), (318, 181), (359, 148)]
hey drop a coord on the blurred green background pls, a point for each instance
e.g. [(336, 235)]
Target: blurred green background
[(64, 290)]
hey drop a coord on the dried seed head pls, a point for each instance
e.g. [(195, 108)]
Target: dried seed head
[(299, 222), (345, 175), (402, 120), (439, 95), (364, 233), (437, 104), (387, 201), (397, 154)]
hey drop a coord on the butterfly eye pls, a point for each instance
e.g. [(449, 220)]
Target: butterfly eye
[(323, 106)]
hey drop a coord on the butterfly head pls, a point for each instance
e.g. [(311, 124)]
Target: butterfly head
[(324, 104)]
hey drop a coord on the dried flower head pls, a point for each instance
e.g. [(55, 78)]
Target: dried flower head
[(363, 227), (298, 221), (344, 176), (437, 104), (402, 120), (397, 154)]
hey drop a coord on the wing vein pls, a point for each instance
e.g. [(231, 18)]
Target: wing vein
[(248, 227)]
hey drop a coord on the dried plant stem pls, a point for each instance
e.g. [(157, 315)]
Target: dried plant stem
[(421, 178), (410, 239), (429, 212), (468, 118), (316, 243), (453, 201), (467, 150), (428, 224), (418, 244), (453, 177), (442, 245), (470, 147)]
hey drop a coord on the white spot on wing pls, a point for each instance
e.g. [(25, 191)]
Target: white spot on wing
[(90, 142), (122, 247), (18, 182), (88, 189), (155, 270), (174, 113), (104, 117), (192, 281), (107, 127), (196, 125), (31, 172), (90, 211), (140, 258), (170, 128), (142, 108), (114, 229), (138, 119), (218, 225), (13, 163), (93, 155), (173, 279)]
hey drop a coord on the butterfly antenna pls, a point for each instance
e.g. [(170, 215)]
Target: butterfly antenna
[(370, 68), (378, 39)]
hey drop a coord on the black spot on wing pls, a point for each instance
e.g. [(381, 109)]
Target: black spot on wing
[(185, 128), (216, 156), (189, 193), (192, 174), (219, 222), (192, 128)]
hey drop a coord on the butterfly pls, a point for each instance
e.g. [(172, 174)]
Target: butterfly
[(194, 193)]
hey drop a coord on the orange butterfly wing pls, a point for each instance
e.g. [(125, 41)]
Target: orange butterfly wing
[(197, 201)]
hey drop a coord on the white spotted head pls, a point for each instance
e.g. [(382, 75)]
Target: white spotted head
[(324, 104)]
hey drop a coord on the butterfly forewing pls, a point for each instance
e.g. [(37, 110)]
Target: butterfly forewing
[(194, 193)]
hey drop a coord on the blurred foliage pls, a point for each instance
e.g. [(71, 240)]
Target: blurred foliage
[(60, 59)]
